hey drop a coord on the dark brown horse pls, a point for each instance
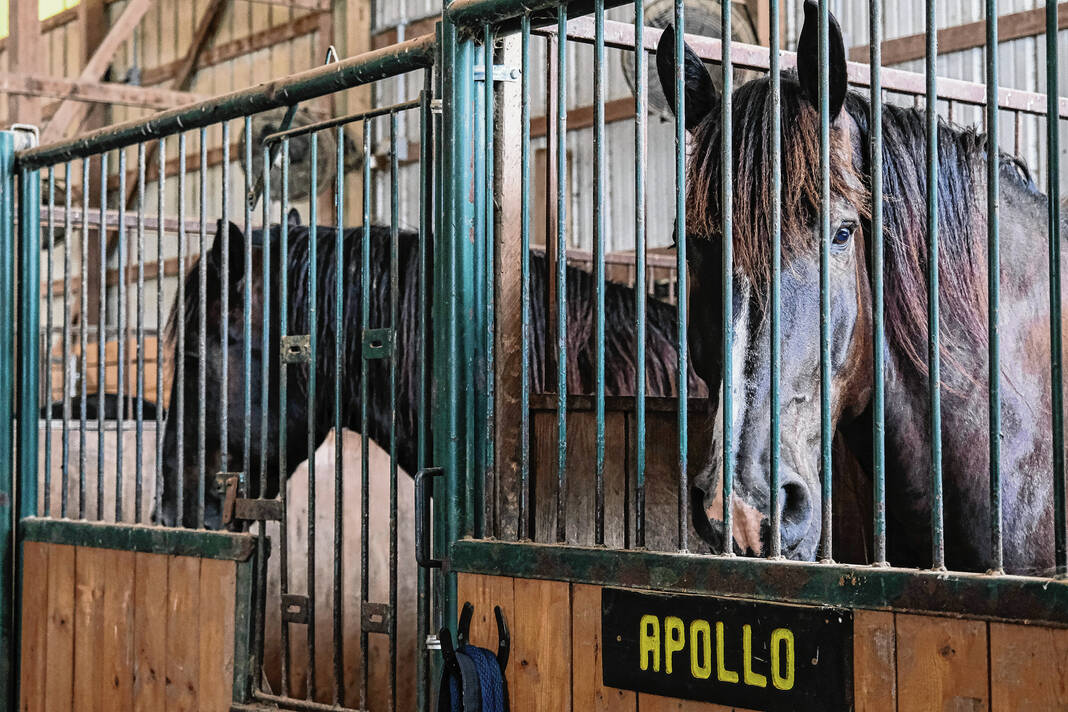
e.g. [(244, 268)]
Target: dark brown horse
[(1026, 448)]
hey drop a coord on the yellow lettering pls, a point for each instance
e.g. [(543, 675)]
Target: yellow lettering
[(751, 678), (700, 643), (675, 639), (722, 673), (649, 642), (783, 680)]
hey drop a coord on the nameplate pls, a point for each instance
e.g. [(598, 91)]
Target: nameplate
[(754, 655)]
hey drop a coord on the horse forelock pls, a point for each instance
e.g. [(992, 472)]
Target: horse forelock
[(961, 239)]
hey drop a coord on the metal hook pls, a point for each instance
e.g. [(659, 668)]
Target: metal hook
[(448, 653), (463, 629), (332, 52), (504, 639)]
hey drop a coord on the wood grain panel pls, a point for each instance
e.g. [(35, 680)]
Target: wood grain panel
[(655, 703), (183, 648), (1028, 668), (34, 625), (89, 573), (485, 592), (942, 664), (541, 639), (217, 598), (115, 657), (874, 662), (587, 690), (150, 631), (59, 689)]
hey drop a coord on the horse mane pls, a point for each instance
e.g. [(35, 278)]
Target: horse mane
[(962, 155)]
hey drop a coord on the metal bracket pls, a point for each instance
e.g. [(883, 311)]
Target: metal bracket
[(30, 136), (375, 618), (433, 642), (227, 484), (296, 349), (258, 510), (295, 608), (501, 73), (435, 106), (377, 343)]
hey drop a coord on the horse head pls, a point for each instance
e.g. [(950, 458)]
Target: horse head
[(848, 290)]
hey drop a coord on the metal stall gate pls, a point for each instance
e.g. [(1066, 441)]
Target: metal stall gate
[(197, 526), (593, 506)]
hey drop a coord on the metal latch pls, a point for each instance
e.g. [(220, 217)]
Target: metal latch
[(433, 642), (295, 608), (258, 510), (296, 349), (228, 484), (375, 618), (501, 73), (377, 343)]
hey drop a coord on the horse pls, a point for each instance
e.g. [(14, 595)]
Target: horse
[(620, 361), (1024, 327)]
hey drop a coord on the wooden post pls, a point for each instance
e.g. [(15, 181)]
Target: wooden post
[(356, 39), (24, 38)]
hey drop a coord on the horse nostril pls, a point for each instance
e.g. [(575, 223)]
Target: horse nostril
[(795, 508)]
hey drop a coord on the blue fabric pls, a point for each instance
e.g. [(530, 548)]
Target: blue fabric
[(482, 688), (489, 676)]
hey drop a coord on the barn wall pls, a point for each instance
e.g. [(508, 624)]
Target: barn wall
[(900, 661)]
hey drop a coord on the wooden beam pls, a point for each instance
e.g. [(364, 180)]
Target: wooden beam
[(1015, 26), (25, 38), (58, 20), (414, 28), (31, 84), (582, 117), (323, 5), (284, 32), (70, 113)]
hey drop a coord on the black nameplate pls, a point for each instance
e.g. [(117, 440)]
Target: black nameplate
[(759, 656)]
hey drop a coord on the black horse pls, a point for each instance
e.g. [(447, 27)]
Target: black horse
[(620, 360)]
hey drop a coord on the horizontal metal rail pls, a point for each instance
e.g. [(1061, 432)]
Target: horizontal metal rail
[(620, 35), (341, 121), (417, 53)]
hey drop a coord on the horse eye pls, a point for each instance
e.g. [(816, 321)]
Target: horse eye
[(842, 236)]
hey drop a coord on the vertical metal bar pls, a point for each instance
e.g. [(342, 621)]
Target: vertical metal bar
[(641, 150), (1053, 177), (179, 410), (489, 487), (339, 341), (561, 275), (9, 513), (426, 212), (140, 415), (993, 277), (202, 332), (826, 537), (394, 323), (121, 337), (727, 203), (524, 266), (161, 180), (246, 340), (365, 480), (68, 235), (878, 329), (938, 551), (283, 383), (224, 307), (774, 43), (313, 367), (102, 336), (83, 340), (47, 500), (598, 259)]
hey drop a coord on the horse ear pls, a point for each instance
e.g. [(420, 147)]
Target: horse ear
[(236, 242), (701, 94), (293, 219), (808, 60)]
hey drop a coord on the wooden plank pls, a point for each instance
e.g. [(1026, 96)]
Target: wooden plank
[(541, 637), (150, 631), (1028, 668), (656, 703), (874, 662), (60, 660), (116, 653), (34, 670), (90, 578), (485, 592), (587, 691), (24, 37), (51, 25), (183, 645), (218, 580), (1014, 26), (227, 51), (941, 664), (70, 113), (35, 84)]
